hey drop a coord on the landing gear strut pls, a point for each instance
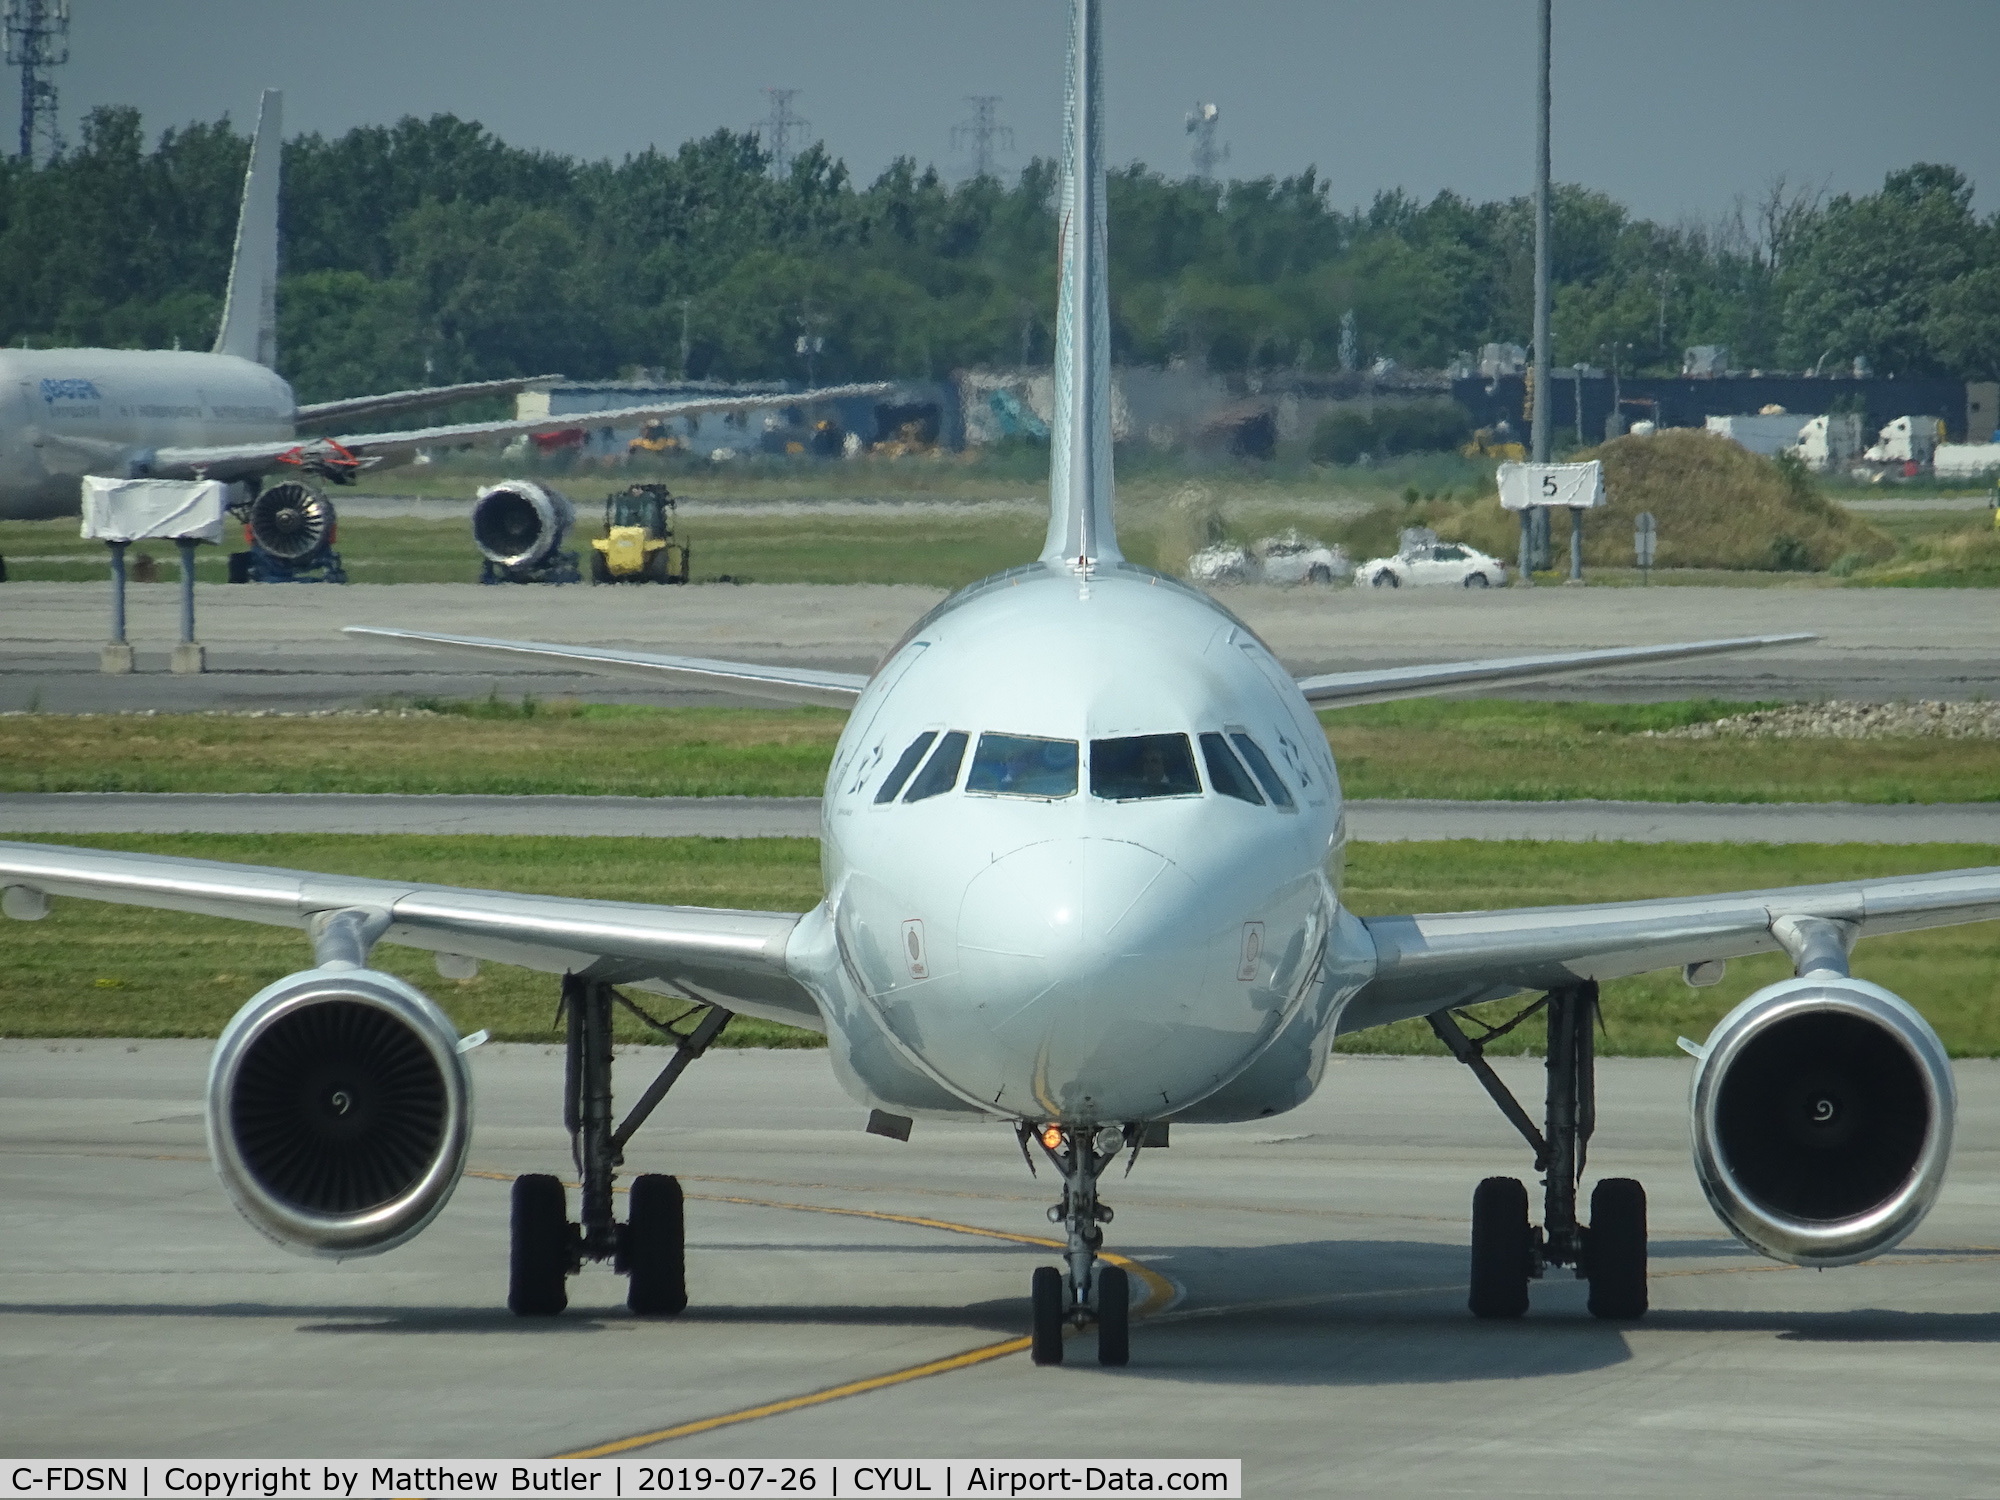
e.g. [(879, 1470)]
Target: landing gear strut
[(649, 1248), (1084, 1291), (1507, 1251)]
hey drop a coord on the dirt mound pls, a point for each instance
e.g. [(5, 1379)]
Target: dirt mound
[(1717, 506)]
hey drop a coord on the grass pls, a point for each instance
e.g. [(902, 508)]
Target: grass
[(1479, 750), (93, 970)]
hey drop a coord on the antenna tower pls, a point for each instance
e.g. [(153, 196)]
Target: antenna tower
[(983, 133), (784, 132), (37, 40), (1202, 121)]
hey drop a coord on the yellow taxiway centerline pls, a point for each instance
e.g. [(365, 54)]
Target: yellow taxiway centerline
[(1160, 1292)]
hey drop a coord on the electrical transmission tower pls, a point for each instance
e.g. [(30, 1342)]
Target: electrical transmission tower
[(784, 132), (37, 40), (1202, 121), (983, 134)]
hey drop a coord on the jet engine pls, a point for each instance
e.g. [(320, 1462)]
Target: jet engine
[(1823, 1111), (339, 1111), (291, 530), (518, 526)]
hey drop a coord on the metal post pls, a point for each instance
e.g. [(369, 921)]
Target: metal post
[(189, 657), (1576, 544), (1559, 1182), (1538, 426), (116, 656)]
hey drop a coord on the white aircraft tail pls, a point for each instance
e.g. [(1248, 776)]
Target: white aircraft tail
[(250, 311), (1081, 531)]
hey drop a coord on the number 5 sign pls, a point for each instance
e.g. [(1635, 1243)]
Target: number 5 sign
[(1572, 486)]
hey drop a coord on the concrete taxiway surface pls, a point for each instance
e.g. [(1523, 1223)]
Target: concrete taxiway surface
[(282, 648), (38, 813), (1317, 1259)]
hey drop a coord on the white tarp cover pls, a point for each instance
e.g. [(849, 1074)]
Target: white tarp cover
[(127, 510), (1574, 486)]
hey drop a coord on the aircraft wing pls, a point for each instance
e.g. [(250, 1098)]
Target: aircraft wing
[(736, 958), (1425, 963), (385, 449), (1347, 689), (322, 412), (785, 684)]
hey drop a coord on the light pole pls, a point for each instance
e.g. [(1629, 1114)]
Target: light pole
[(1538, 427)]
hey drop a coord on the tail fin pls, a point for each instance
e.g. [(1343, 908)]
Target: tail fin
[(1081, 531), (250, 311)]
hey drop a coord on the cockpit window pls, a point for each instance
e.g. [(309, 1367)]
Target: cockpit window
[(1260, 765), (905, 764), (1143, 765), (1225, 771), (1021, 765), (940, 772)]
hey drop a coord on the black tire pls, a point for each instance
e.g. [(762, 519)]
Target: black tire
[(1501, 1249), (1478, 581), (600, 567), (539, 1260), (1384, 579), (1047, 1295), (1114, 1316), (1615, 1249), (1319, 573), (655, 1246)]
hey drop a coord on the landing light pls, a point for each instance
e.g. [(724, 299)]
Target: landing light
[(1052, 1137)]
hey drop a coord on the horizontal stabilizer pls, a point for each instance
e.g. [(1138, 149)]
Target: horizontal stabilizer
[(1346, 689), (785, 684)]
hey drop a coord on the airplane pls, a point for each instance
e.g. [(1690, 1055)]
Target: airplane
[(229, 415), (1082, 847)]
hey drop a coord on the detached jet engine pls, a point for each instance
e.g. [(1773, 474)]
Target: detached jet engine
[(1823, 1112), (291, 528), (519, 526), (339, 1111)]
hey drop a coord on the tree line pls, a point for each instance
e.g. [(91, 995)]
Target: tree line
[(431, 251)]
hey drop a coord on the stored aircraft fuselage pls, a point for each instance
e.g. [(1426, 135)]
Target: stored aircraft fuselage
[(1082, 847), (65, 413)]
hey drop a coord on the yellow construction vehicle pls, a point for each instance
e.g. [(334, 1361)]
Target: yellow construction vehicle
[(656, 438), (639, 544)]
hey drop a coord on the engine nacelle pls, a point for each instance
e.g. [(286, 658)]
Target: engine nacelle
[(292, 521), (1823, 1110), (339, 1111), (519, 524)]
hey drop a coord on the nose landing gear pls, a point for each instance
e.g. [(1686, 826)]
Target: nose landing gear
[(1084, 1291)]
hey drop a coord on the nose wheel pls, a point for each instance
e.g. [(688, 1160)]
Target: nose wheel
[(1084, 1293)]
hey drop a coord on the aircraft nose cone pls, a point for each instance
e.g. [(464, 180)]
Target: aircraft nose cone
[(1087, 956)]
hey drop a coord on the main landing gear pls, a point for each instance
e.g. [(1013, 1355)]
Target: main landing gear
[(1084, 1291), (1507, 1251), (649, 1248)]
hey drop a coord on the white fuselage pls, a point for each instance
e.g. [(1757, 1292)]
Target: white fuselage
[(65, 413), (1052, 954)]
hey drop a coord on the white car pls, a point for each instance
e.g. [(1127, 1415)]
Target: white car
[(1286, 559), (1293, 558), (1439, 562)]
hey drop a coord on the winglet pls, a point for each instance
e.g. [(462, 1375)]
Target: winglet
[(1080, 487), (250, 311)]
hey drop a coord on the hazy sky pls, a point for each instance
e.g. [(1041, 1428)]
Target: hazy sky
[(1674, 107)]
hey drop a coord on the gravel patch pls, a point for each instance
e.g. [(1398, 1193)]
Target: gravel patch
[(1928, 719)]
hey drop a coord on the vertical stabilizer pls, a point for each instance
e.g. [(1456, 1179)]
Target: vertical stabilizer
[(250, 311), (1080, 525)]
